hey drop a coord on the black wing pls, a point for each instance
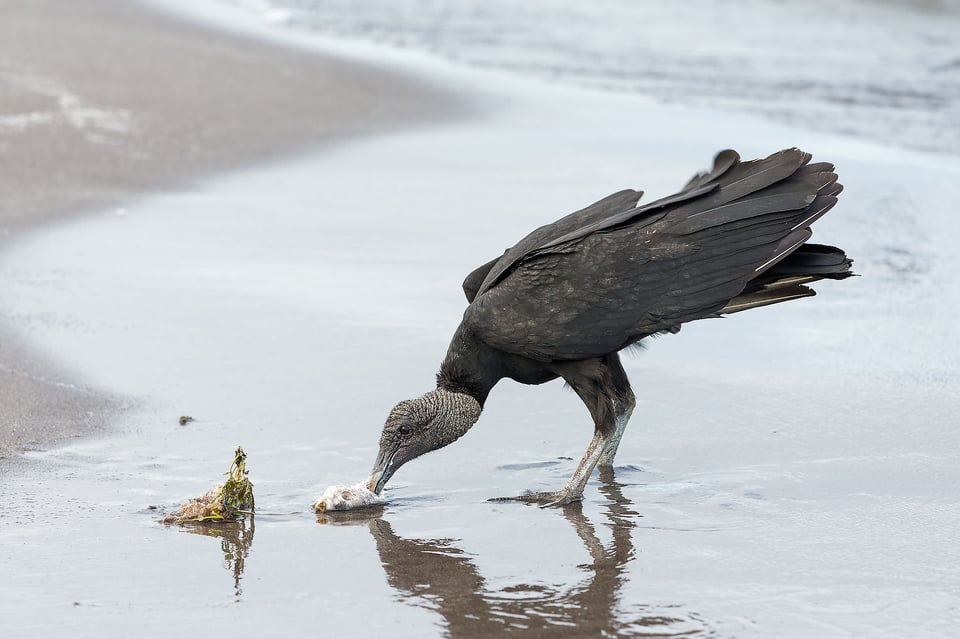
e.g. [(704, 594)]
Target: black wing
[(612, 210), (602, 209), (599, 287)]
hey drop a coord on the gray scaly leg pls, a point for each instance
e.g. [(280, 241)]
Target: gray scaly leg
[(624, 411)]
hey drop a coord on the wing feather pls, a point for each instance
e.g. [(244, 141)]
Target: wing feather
[(600, 282), (483, 277)]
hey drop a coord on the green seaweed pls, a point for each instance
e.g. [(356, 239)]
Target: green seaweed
[(237, 491), (225, 503)]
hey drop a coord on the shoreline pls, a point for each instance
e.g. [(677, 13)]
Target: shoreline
[(105, 103)]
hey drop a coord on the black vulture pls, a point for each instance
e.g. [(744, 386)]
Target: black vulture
[(570, 295)]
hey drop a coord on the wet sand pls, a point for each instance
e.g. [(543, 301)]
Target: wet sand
[(789, 472), (102, 102)]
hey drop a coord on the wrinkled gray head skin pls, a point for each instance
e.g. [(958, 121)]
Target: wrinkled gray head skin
[(417, 426)]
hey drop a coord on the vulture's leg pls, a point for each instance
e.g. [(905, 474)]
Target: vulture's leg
[(623, 411), (603, 386)]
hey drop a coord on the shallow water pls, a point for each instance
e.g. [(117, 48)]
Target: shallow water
[(789, 472), (878, 69)]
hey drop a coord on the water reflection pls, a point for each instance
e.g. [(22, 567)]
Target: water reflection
[(437, 575), (236, 539)]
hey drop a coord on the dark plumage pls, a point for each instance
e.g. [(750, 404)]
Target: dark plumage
[(570, 295)]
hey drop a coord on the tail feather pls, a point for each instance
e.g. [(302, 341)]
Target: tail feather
[(821, 261), (769, 203), (766, 297), (784, 281)]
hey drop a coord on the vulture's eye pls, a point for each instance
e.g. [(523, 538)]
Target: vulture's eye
[(405, 430)]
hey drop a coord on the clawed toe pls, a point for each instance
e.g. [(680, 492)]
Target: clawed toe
[(544, 499)]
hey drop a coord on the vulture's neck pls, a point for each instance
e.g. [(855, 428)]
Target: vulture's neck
[(470, 367)]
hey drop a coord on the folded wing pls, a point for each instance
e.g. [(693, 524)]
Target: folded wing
[(609, 275)]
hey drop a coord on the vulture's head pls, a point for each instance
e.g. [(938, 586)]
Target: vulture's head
[(417, 426)]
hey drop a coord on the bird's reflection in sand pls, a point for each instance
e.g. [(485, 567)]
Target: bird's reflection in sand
[(439, 576), (236, 539)]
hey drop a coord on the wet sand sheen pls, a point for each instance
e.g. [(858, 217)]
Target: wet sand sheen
[(105, 101)]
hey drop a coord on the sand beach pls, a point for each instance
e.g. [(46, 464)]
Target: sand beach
[(103, 102)]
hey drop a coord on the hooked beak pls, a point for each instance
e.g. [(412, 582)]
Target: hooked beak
[(383, 470)]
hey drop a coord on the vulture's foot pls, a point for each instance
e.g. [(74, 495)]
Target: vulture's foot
[(545, 499)]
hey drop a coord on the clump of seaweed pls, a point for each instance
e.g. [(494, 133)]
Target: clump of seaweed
[(224, 503)]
